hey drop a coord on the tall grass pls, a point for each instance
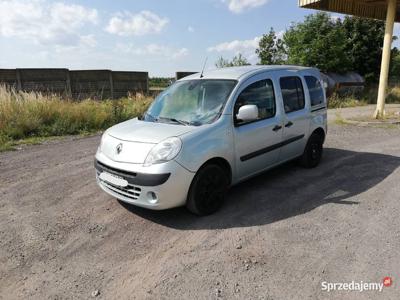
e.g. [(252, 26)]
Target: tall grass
[(24, 115), (33, 115), (368, 96), (394, 95)]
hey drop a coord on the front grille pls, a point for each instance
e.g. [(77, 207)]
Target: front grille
[(115, 171), (129, 191)]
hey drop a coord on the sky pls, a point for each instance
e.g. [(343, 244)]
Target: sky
[(157, 36)]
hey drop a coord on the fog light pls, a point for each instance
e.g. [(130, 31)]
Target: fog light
[(152, 197)]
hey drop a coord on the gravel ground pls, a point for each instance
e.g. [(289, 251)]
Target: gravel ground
[(361, 111), (279, 236)]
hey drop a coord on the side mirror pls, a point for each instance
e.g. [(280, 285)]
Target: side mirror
[(247, 113)]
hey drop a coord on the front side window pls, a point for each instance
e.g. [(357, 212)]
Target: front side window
[(261, 94), (315, 90), (191, 102), (292, 93)]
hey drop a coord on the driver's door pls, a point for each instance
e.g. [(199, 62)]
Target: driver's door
[(257, 143)]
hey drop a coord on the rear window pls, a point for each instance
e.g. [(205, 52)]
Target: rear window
[(292, 93), (315, 90)]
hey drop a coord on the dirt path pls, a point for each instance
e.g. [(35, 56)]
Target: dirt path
[(278, 237)]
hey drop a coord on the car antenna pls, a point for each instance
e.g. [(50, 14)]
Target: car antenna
[(202, 71)]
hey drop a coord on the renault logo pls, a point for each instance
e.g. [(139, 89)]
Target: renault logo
[(119, 148)]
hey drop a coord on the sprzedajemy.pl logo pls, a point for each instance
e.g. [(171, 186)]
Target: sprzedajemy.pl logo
[(359, 286)]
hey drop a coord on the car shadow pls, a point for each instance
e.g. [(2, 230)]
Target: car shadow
[(287, 191)]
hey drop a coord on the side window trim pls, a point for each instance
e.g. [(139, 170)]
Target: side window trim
[(236, 124), (297, 92)]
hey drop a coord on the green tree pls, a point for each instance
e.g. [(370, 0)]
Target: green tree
[(395, 63), (237, 60), (320, 42), (271, 49), (364, 38)]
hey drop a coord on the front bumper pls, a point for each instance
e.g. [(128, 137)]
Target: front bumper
[(157, 187)]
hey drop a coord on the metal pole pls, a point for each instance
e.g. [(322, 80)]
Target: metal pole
[(387, 48)]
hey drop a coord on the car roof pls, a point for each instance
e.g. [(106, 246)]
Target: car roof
[(238, 73)]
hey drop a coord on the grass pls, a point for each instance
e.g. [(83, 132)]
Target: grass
[(12, 145), (368, 96), (394, 95), (31, 117), (339, 119), (336, 101)]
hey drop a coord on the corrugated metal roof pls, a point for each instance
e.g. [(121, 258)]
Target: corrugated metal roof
[(375, 9)]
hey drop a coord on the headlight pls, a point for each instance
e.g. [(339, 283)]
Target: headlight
[(163, 151), (102, 141)]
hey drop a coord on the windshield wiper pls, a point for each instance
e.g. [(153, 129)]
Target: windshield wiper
[(182, 122)]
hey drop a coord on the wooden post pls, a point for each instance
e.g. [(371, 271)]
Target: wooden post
[(111, 85), (68, 85), (387, 48), (19, 81)]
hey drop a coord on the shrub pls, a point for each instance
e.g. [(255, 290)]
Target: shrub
[(368, 96), (393, 95), (24, 115), (336, 101)]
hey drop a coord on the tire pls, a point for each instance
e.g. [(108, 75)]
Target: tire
[(313, 152), (208, 190)]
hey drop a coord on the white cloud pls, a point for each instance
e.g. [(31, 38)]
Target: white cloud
[(154, 50), (181, 53), (45, 22), (190, 29), (245, 47), (88, 41), (236, 46), (239, 6), (145, 22)]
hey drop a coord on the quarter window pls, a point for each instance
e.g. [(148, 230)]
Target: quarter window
[(292, 93), (315, 90), (261, 94)]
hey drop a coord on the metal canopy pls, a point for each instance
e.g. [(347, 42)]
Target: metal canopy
[(388, 10), (375, 9)]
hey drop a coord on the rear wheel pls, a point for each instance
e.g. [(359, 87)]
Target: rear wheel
[(208, 190), (313, 151)]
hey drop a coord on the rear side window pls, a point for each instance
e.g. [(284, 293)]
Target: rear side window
[(292, 93), (260, 93), (315, 89)]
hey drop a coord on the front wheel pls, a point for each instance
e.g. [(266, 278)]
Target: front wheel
[(208, 190), (313, 152)]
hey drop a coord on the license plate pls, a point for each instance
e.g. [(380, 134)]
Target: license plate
[(113, 179)]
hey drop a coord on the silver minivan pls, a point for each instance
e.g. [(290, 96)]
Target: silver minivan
[(210, 131)]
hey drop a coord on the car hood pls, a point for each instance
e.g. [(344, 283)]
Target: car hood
[(131, 141), (146, 132)]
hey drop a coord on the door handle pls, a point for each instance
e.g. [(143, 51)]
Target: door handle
[(289, 124), (277, 127)]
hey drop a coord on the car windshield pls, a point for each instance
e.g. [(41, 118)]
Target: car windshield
[(191, 102)]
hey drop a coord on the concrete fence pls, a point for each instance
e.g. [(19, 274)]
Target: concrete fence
[(78, 84), (180, 75)]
